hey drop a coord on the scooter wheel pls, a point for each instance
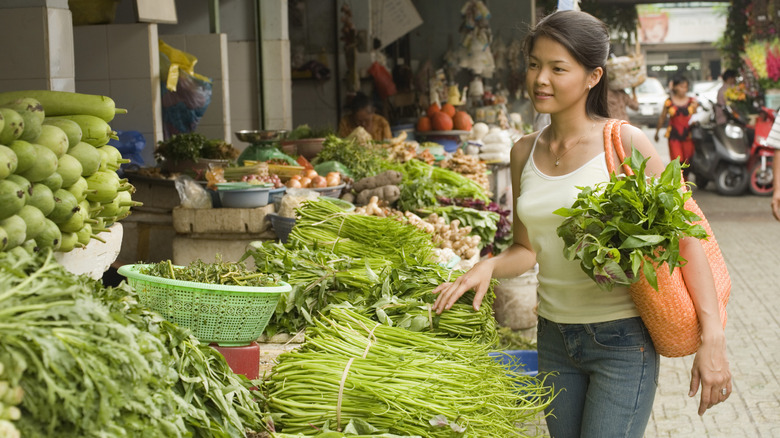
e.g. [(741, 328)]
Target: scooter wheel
[(761, 181), (731, 180)]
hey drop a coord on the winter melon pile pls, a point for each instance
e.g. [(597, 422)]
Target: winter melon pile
[(58, 182)]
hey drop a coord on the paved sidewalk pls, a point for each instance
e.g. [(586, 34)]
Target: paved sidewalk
[(750, 240)]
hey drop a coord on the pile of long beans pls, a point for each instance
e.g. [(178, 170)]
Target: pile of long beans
[(324, 224), (400, 382)]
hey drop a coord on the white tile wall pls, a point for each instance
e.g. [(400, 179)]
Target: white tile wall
[(242, 64), (274, 20), (131, 47), (60, 44), (91, 53), (122, 61)]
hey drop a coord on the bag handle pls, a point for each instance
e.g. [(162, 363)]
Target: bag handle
[(613, 142)]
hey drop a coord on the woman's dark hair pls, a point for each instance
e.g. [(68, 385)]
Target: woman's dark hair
[(679, 79), (728, 74), (359, 101), (587, 40)]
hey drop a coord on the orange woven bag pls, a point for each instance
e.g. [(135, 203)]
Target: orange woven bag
[(668, 312)]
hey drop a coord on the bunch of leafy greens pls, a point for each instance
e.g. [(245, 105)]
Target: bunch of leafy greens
[(219, 272), (93, 362), (629, 223), (362, 161), (423, 185), (192, 146)]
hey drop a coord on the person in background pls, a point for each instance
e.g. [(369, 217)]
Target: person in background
[(618, 100), (679, 107), (362, 114), (594, 350), (773, 139), (729, 78)]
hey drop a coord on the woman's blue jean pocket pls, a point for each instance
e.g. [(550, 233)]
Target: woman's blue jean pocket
[(624, 334)]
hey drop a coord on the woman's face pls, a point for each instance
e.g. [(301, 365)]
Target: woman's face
[(363, 117), (555, 80)]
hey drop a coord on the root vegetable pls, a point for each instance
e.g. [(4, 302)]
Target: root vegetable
[(387, 194), (390, 177)]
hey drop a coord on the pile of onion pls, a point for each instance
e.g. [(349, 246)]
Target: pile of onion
[(310, 179)]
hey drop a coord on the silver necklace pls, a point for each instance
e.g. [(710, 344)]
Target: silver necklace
[(557, 158)]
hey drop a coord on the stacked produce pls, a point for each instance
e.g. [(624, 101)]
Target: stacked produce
[(470, 167), (392, 279), (400, 382), (10, 396), (58, 180), (92, 362), (383, 186)]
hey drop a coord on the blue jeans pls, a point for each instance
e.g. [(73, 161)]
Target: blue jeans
[(606, 374)]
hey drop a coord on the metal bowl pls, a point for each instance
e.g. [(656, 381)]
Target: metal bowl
[(251, 136)]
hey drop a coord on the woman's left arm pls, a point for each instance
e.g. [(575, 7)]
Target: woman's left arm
[(710, 365)]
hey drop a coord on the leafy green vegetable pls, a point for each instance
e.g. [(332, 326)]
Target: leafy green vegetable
[(424, 184), (93, 362), (192, 146), (630, 223), (362, 161), (305, 131), (399, 382), (219, 272)]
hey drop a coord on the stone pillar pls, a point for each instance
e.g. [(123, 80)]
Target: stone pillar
[(276, 74), (37, 49)]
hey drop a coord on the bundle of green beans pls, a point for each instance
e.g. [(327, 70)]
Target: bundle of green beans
[(219, 272), (324, 224), (400, 382)]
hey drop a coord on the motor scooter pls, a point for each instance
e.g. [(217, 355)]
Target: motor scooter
[(721, 152), (761, 155)]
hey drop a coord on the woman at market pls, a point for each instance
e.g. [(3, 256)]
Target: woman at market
[(362, 115), (679, 107), (592, 344)]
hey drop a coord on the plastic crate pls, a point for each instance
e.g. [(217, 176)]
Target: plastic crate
[(226, 315), (519, 361)]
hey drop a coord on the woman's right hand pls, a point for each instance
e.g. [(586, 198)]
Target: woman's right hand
[(477, 278)]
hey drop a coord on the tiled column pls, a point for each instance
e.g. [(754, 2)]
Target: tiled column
[(37, 48), (122, 61), (276, 74)]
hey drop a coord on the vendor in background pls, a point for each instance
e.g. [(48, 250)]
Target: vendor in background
[(362, 114), (618, 100), (729, 80)]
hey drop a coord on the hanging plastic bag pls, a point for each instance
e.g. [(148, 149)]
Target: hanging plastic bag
[(383, 80), (185, 94)]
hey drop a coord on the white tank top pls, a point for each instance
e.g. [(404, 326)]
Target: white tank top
[(567, 295)]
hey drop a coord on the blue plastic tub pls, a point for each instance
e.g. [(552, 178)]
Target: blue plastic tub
[(520, 361)]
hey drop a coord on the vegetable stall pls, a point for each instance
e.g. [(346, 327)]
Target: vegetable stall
[(361, 235)]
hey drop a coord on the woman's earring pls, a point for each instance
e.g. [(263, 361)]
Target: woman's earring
[(590, 86)]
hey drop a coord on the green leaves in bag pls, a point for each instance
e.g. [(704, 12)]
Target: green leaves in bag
[(616, 227)]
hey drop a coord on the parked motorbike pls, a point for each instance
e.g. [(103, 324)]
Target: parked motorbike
[(761, 155), (721, 152)]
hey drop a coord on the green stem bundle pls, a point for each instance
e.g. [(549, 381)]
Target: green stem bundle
[(398, 381)]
